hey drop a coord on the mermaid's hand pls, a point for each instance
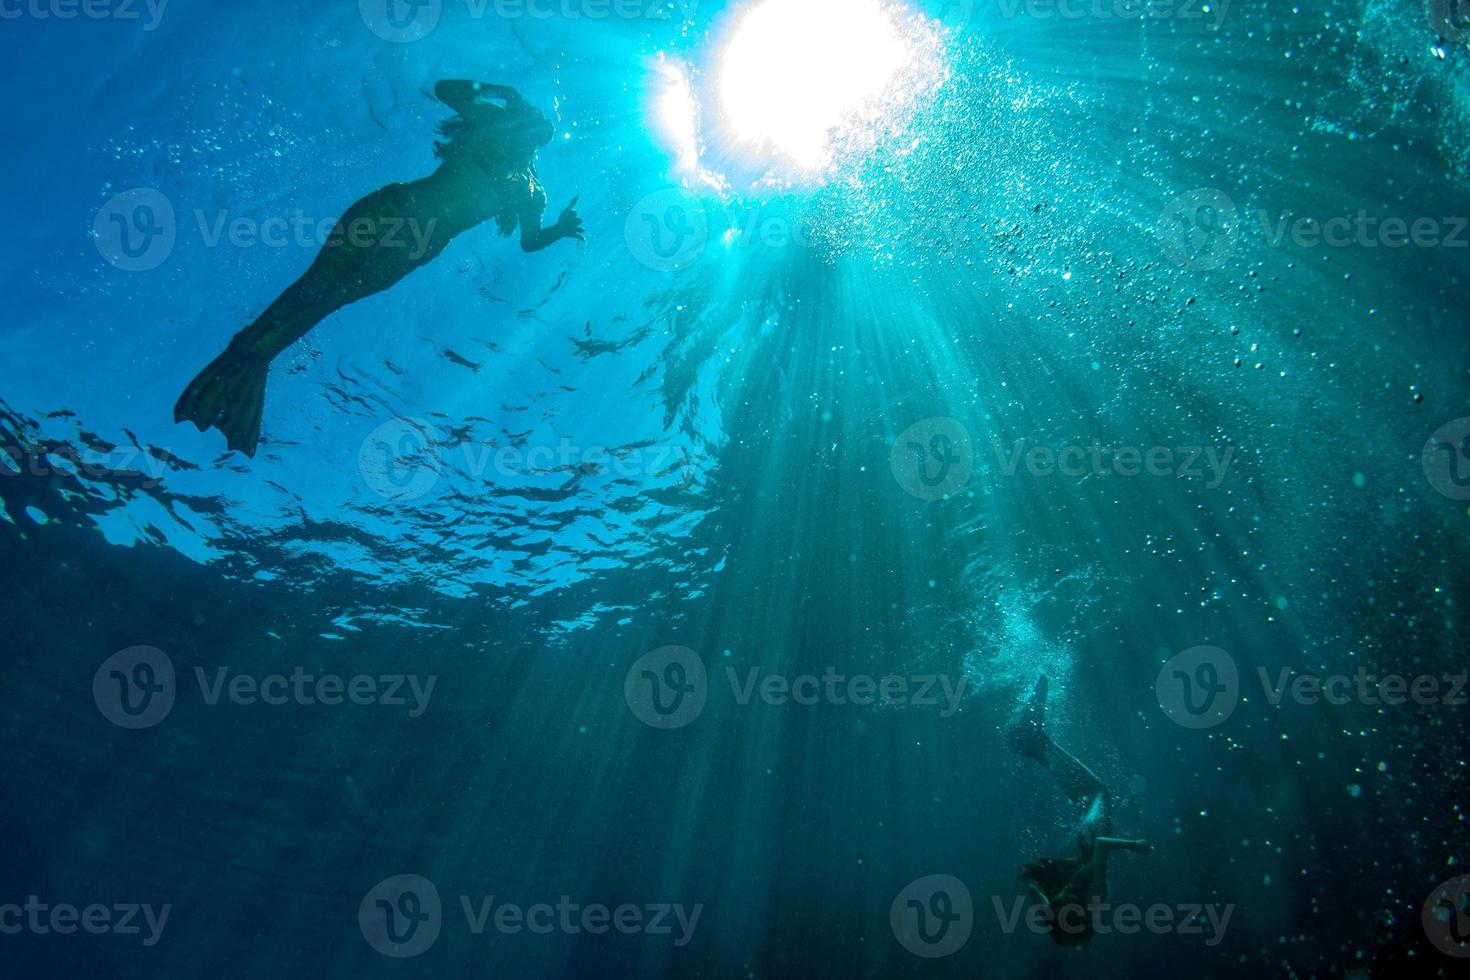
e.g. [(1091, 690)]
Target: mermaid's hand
[(569, 225)]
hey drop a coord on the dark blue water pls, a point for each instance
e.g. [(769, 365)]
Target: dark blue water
[(655, 606)]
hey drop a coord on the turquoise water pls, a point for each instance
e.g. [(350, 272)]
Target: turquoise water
[(1049, 379)]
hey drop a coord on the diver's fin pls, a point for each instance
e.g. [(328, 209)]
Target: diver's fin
[(1026, 733), (230, 396)]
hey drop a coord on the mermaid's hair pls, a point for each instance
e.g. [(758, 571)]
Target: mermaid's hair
[(449, 130)]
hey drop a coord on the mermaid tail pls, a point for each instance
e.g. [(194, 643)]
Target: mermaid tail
[(229, 395), (1027, 736), (1026, 733)]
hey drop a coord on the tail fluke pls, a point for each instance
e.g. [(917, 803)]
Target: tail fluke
[(229, 395), (1027, 731)]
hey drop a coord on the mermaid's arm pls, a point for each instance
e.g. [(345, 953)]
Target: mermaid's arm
[(534, 238), (463, 96)]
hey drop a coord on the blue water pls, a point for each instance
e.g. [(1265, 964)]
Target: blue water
[(785, 429)]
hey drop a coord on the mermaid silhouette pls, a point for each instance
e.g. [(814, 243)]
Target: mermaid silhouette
[(1069, 887), (487, 170)]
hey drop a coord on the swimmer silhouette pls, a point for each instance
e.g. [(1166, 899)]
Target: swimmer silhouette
[(1069, 887), (487, 170)]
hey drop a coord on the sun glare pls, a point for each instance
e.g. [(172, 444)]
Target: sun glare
[(790, 87), (796, 73)]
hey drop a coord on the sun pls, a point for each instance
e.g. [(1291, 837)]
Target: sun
[(788, 92), (797, 79)]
